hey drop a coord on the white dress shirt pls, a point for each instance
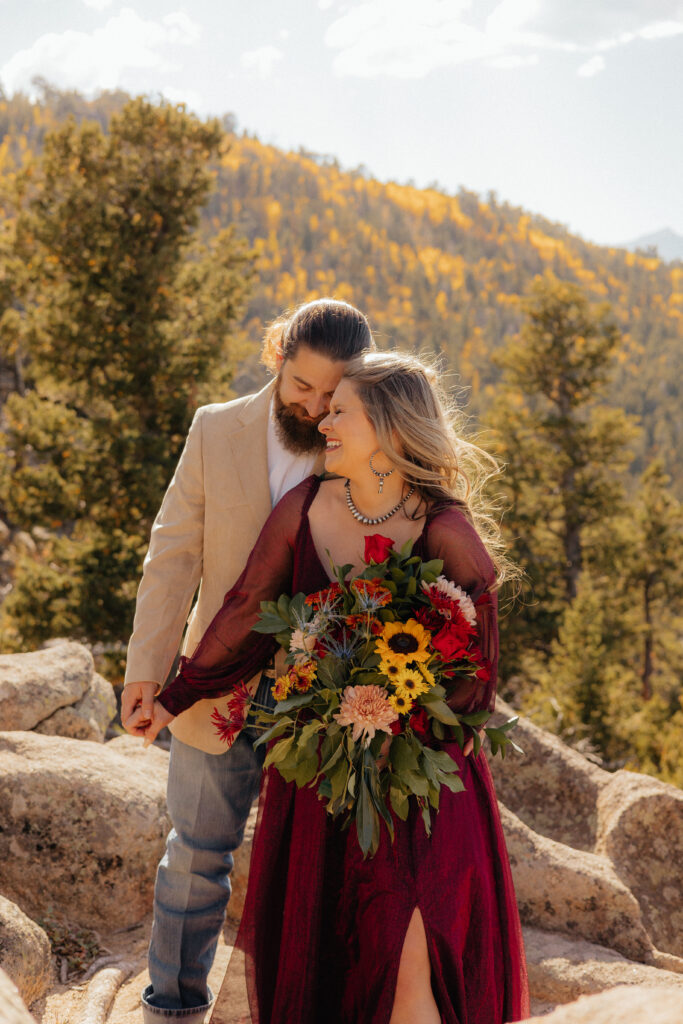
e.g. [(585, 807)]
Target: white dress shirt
[(285, 469)]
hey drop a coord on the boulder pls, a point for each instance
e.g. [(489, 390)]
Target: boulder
[(562, 969), (25, 953), (571, 891), (88, 718), (12, 1007), (82, 822), (640, 828), (150, 759), (552, 788), (632, 1004), (33, 686)]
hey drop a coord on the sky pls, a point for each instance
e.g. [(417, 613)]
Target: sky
[(570, 108)]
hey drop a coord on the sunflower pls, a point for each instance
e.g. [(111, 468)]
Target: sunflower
[(401, 703), (410, 683), (415, 666), (391, 671), (401, 642)]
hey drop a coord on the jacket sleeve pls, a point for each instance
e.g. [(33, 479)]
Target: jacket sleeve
[(468, 564), (172, 568), (229, 651)]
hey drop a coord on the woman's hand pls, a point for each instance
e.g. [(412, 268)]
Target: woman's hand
[(140, 723), (383, 753), (469, 746)]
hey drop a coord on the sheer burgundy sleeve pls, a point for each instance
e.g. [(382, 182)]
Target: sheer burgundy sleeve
[(467, 563), (229, 651)]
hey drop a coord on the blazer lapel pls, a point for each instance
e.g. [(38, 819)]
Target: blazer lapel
[(250, 452)]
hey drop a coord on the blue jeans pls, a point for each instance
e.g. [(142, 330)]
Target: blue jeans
[(209, 799)]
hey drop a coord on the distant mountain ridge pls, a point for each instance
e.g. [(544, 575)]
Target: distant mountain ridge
[(667, 244), (435, 272)]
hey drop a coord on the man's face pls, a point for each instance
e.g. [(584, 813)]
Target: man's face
[(303, 390)]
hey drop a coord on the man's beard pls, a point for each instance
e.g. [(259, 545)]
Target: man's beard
[(297, 435)]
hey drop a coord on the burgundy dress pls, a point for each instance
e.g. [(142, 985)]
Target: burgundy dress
[(322, 929)]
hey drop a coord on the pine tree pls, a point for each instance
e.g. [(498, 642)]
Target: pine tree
[(564, 451), (131, 319)]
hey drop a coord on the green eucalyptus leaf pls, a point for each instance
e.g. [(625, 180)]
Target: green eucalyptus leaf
[(453, 782), (299, 700), (417, 783), (269, 623), (402, 755), (275, 730), (476, 718), (400, 802), (439, 709), (279, 751)]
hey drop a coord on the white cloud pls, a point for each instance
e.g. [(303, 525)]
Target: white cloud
[(662, 29), (262, 61), (98, 5), (181, 28), (101, 59), (192, 99), (512, 60), (592, 67), (402, 39)]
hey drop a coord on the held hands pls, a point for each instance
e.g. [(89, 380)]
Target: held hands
[(141, 715)]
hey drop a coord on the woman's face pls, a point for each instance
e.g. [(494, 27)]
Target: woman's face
[(350, 436)]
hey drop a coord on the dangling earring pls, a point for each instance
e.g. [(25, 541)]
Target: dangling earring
[(377, 473)]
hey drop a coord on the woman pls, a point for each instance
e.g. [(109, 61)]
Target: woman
[(427, 930)]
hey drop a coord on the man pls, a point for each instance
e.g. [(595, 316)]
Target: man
[(239, 459)]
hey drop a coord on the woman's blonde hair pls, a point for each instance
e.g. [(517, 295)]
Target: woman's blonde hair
[(421, 431)]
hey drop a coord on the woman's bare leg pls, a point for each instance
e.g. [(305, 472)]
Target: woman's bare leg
[(414, 1001)]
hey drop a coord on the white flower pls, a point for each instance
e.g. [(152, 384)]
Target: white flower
[(448, 589), (301, 641)]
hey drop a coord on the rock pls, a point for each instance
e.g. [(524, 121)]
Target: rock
[(633, 1004), (42, 535), (88, 718), (12, 1008), (640, 828), (552, 788), (571, 891), (33, 686), (83, 823), (151, 759), (25, 953), (562, 969), (240, 872), (24, 544)]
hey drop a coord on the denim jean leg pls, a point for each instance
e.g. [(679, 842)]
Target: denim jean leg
[(209, 798)]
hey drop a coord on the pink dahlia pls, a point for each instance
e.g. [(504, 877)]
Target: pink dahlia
[(367, 709)]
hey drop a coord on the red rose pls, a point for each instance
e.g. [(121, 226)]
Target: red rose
[(484, 672), (395, 727), (419, 722), (377, 548), (450, 643)]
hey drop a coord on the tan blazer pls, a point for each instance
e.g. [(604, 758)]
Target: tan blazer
[(209, 520)]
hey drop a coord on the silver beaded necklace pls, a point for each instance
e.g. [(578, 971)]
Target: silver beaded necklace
[(366, 520)]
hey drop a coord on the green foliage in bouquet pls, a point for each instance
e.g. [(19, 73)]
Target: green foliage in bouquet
[(364, 702)]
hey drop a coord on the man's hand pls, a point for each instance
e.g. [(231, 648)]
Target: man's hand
[(149, 727), (137, 702)]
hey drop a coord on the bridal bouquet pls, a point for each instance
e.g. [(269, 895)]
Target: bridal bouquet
[(370, 662)]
